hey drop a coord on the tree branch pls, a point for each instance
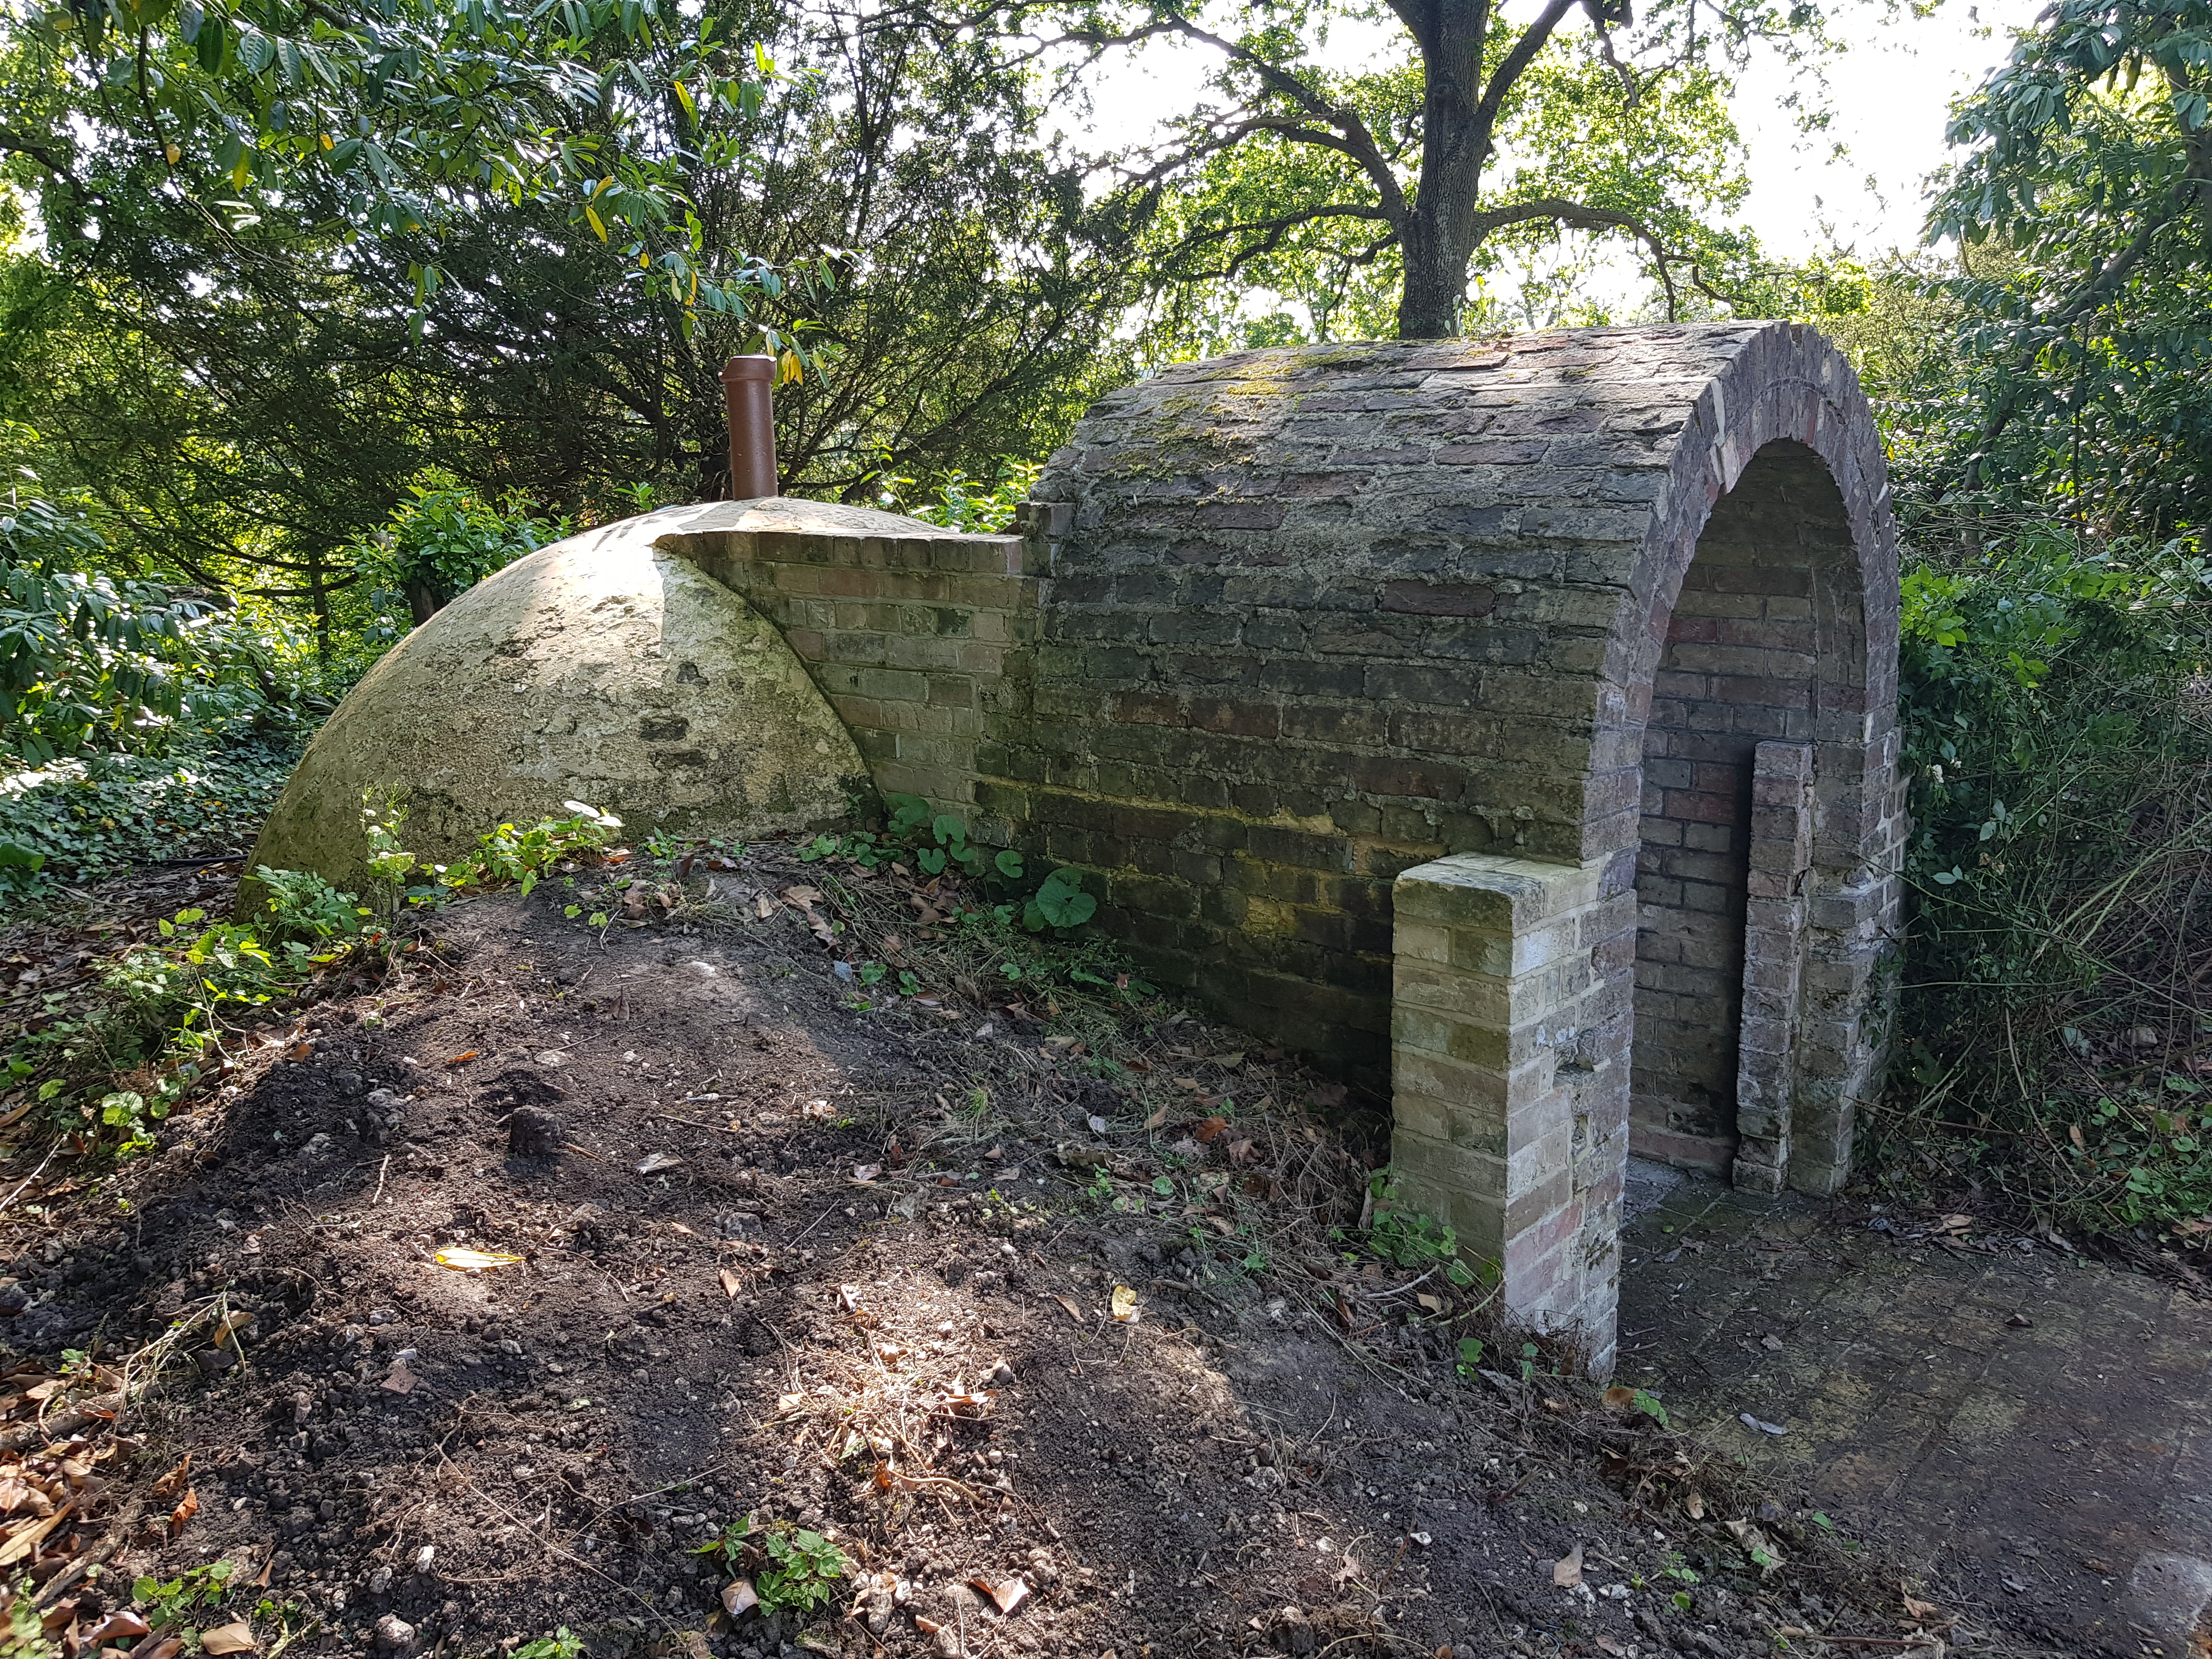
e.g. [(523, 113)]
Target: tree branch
[(55, 161), (1581, 217), (1359, 144)]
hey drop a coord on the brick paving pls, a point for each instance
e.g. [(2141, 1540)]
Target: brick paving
[(2035, 1428)]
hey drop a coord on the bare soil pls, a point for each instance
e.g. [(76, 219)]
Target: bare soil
[(796, 1251)]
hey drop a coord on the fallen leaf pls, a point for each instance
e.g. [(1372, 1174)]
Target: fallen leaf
[(227, 1638), (462, 1058), (802, 897), (398, 1379), (188, 1507), (1008, 1594), (1240, 1152), (1567, 1571), (1751, 1422), (1223, 1226), (731, 1282), (1921, 1611), (1126, 1310), (121, 1626), (763, 906), (1329, 1094), (738, 1596), (1694, 1504), (1956, 1223), (24, 1543), (1619, 1398), (1210, 1131), (461, 1259), (867, 1173), (173, 1482), (1435, 1305), (1159, 1116), (1765, 1553), (654, 1163), (1068, 1303)]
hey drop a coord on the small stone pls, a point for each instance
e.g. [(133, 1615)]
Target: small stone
[(394, 1634), (532, 1132)]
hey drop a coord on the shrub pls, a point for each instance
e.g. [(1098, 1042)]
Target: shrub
[(2058, 701)]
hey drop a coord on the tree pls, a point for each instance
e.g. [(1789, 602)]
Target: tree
[(251, 377), (2085, 209), (1485, 130)]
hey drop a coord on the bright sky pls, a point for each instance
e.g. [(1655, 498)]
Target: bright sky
[(1890, 92)]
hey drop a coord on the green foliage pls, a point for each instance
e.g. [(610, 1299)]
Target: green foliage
[(1060, 902), (802, 1571), (445, 538), (89, 661), (1410, 1239), (2084, 341), (1366, 203), (2061, 806), (730, 1544), (559, 1646), (176, 998), (958, 500), (167, 1604), (72, 821)]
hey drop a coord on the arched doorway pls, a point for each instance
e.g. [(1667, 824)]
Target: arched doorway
[(1758, 699)]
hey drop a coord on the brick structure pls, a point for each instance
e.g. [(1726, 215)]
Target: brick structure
[(1518, 715), (1487, 637)]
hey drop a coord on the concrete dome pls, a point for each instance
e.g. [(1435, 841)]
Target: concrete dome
[(607, 668)]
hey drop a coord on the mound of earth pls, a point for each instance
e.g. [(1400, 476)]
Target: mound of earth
[(1065, 1358)]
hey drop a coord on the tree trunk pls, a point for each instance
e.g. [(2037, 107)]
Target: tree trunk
[(1439, 241)]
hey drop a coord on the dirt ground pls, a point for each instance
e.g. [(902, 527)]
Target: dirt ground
[(793, 1249)]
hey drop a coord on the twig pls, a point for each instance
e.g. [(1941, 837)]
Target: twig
[(810, 1226), (29, 1179), (716, 1128), (382, 1170)]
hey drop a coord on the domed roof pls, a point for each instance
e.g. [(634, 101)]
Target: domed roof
[(607, 668)]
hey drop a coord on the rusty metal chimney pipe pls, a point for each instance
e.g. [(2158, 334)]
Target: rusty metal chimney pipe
[(745, 384)]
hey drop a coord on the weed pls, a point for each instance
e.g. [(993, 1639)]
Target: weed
[(167, 1604), (801, 1571), (559, 1646), (1409, 1238)]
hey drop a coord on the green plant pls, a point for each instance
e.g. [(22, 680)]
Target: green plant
[(447, 537), (167, 1604), (507, 854), (1469, 1359), (1410, 1239), (2062, 811), (730, 1544), (801, 1570), (559, 1646), (303, 903), (1060, 902), (25, 1636)]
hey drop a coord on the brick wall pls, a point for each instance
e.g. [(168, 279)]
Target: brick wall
[(921, 638), (1324, 615)]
